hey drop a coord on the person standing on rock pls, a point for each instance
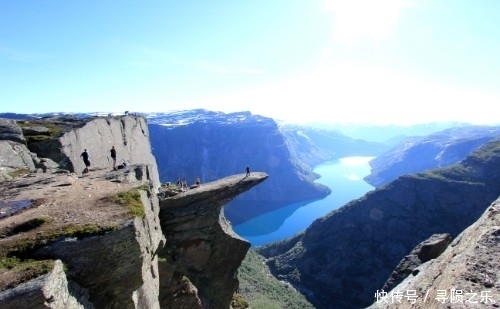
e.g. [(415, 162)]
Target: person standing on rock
[(86, 160), (113, 156), (248, 171)]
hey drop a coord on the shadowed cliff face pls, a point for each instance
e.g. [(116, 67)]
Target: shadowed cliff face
[(344, 257), (202, 252)]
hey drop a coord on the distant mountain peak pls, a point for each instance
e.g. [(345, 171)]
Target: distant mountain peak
[(186, 117)]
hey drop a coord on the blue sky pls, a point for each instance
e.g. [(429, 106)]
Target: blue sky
[(357, 61)]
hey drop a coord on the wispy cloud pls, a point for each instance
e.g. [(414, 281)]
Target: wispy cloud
[(146, 56)]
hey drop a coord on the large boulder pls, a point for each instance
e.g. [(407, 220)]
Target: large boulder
[(9, 130), (15, 158), (129, 135), (427, 250)]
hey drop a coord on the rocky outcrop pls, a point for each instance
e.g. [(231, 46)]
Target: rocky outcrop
[(101, 243), (14, 155), (10, 131), (47, 291), (57, 142), (107, 229), (129, 134), (425, 251), (103, 263), (465, 275), (343, 258), (14, 158), (202, 254)]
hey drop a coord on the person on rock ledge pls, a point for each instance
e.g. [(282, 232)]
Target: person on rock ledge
[(248, 171), (113, 156), (86, 160)]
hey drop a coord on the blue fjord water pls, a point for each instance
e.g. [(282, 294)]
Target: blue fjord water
[(344, 177)]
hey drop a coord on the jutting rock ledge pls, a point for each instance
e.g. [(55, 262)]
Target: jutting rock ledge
[(77, 245)]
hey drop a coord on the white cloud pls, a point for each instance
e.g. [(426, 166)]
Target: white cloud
[(355, 19), (345, 94)]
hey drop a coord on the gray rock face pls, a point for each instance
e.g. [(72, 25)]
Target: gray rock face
[(14, 157), (429, 249), (129, 134), (10, 131), (119, 269), (202, 251), (465, 275), (48, 291)]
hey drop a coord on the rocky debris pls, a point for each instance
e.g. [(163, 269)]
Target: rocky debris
[(465, 275), (201, 245), (429, 249), (10, 131)]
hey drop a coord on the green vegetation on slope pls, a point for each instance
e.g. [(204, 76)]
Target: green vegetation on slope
[(54, 130), (132, 200), (16, 265), (263, 291)]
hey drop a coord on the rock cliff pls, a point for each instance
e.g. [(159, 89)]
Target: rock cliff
[(97, 240), (343, 258), (465, 275), (202, 246)]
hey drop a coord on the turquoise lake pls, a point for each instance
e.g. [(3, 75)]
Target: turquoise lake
[(344, 177)]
